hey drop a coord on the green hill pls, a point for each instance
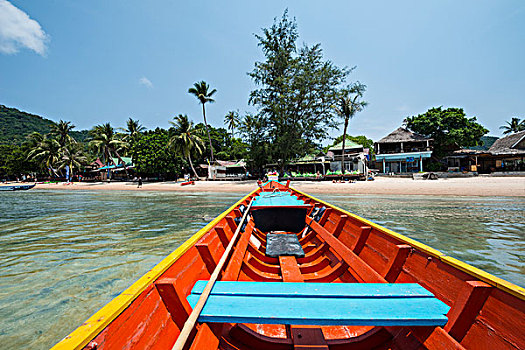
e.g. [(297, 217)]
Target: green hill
[(15, 125)]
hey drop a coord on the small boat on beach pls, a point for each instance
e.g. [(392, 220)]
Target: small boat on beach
[(16, 187), (281, 269)]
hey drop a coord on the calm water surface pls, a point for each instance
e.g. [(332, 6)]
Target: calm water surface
[(65, 254)]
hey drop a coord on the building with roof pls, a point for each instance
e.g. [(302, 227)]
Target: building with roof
[(476, 158), (116, 169), (355, 159), (402, 151), (223, 170), (508, 153), (310, 164)]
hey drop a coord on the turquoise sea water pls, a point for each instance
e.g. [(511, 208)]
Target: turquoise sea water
[(64, 254)]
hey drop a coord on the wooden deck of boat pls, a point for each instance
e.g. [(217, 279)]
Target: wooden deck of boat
[(486, 312)]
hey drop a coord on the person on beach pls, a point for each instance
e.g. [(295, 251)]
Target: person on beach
[(140, 182)]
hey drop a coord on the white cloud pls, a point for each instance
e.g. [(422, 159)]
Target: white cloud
[(146, 82), (17, 31)]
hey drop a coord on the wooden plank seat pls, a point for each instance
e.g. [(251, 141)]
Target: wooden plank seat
[(337, 304)]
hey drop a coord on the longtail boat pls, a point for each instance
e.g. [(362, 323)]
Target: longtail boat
[(304, 274), (16, 187)]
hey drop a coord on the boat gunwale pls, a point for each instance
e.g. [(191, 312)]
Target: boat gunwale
[(497, 282), (88, 330)]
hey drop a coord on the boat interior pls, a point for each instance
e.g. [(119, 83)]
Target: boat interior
[(335, 247)]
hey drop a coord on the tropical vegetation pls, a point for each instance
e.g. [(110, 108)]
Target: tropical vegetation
[(186, 140), (201, 90), (514, 125), (349, 103), (153, 157), (296, 89), (450, 128), (299, 99)]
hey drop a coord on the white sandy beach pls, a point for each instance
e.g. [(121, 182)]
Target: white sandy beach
[(475, 186)]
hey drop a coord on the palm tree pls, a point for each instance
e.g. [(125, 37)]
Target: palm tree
[(104, 140), (515, 125), (73, 157), (349, 104), (61, 132), (231, 120), (133, 128), (185, 138), (46, 151), (33, 140), (200, 91)]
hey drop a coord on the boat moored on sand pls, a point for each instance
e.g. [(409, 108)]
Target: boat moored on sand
[(283, 270)]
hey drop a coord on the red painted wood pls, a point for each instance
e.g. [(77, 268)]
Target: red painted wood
[(251, 339), (152, 328), (222, 235), (363, 236), (308, 237), (501, 320), (134, 325), (258, 275), (314, 254), (234, 265), (466, 308), (348, 236), (172, 300), (231, 223), (207, 257), (205, 338), (378, 252), (442, 280), (363, 272), (261, 257), (308, 247), (303, 337), (339, 227), (262, 266), (397, 262), (314, 266), (325, 216), (374, 338), (435, 338), (327, 275), (290, 270), (166, 340)]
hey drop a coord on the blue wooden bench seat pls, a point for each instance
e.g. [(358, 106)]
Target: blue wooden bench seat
[(349, 304)]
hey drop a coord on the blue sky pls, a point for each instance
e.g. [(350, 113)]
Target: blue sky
[(97, 61)]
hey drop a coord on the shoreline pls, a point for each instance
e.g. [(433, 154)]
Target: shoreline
[(475, 186)]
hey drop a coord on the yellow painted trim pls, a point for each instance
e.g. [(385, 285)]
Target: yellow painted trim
[(497, 282), (81, 336)]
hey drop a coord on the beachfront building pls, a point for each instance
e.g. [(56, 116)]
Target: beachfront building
[(472, 159), (116, 169), (494, 155), (309, 164), (223, 170), (402, 151), (355, 159), (508, 153)]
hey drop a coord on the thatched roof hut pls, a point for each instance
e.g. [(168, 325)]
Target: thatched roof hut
[(403, 135), (513, 144)]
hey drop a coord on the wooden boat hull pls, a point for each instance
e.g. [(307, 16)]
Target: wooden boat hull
[(16, 187), (485, 312)]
